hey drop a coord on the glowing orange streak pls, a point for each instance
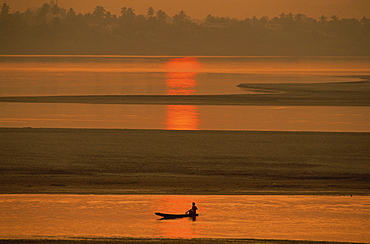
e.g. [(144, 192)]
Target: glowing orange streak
[(182, 117), (180, 80)]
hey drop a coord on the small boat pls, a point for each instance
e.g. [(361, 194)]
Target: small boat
[(176, 216)]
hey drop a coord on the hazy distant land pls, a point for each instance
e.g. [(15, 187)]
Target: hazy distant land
[(50, 29)]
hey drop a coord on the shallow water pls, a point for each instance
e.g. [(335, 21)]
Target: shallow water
[(133, 75), (126, 75), (186, 117), (319, 218)]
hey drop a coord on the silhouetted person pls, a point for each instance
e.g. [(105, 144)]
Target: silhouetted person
[(193, 210)]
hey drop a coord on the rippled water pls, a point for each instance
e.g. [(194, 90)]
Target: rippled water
[(132, 75), (125, 75), (319, 218), (186, 117)]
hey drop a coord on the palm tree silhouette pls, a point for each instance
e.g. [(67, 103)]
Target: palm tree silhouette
[(99, 12), (180, 18), (323, 19), (5, 9), (150, 12), (161, 15)]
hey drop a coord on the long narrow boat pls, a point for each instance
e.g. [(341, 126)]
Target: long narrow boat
[(175, 216)]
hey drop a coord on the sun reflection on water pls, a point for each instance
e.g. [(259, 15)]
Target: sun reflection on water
[(180, 80), (182, 117)]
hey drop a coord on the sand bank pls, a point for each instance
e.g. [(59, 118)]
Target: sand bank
[(309, 94), (162, 241), (251, 100), (89, 161)]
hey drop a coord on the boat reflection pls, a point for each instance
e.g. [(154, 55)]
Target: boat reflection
[(177, 227), (180, 80), (176, 216)]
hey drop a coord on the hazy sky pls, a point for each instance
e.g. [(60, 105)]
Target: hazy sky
[(201, 8)]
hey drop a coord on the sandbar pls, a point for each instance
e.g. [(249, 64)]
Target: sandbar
[(162, 241), (107, 161), (289, 94)]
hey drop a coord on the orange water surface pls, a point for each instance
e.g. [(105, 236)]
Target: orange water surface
[(177, 76), (317, 218), (154, 75), (186, 117)]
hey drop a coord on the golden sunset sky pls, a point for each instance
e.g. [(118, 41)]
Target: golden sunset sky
[(199, 9)]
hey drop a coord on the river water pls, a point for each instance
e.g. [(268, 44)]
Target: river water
[(318, 218), (131, 75), (186, 117)]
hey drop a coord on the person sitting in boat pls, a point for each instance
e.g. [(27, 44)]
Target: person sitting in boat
[(193, 210)]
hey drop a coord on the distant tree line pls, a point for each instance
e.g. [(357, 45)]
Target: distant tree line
[(54, 30)]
